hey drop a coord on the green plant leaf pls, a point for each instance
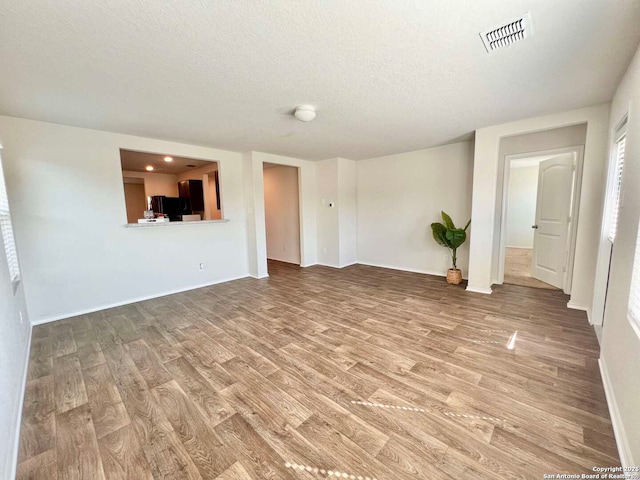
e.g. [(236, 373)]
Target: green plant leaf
[(455, 237), (440, 234), (449, 236), (447, 221)]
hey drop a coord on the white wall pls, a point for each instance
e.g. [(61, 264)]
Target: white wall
[(521, 205), (620, 345), (327, 208), (282, 213), (336, 203), (347, 211), (156, 183), (399, 196), (485, 187), (15, 334), (253, 188), (69, 213)]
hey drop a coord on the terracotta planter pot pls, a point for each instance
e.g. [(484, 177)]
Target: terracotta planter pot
[(454, 276)]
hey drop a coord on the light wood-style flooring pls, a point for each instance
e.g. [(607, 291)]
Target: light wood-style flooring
[(517, 269), (319, 373)]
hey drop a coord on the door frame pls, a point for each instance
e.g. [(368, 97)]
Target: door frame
[(578, 152), (300, 206)]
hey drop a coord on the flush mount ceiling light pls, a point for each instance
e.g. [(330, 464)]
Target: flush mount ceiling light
[(168, 159), (508, 33), (305, 113), (148, 168)]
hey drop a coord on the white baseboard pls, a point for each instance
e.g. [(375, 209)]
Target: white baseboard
[(283, 260), (348, 264), (576, 306), (484, 291), (520, 247), (402, 269), (335, 266), (257, 277), (133, 300), (584, 308), (598, 330), (380, 265), (13, 467), (327, 265), (624, 449)]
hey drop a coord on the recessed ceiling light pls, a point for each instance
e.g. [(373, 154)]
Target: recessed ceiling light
[(168, 159), (148, 168)]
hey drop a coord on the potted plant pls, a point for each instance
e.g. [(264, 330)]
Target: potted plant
[(447, 235)]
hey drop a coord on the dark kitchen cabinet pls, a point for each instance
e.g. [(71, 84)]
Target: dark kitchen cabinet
[(172, 207), (192, 189)]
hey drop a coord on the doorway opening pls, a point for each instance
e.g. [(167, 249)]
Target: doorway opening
[(539, 218), (282, 214)]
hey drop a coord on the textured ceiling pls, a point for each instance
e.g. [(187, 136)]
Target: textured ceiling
[(387, 76)]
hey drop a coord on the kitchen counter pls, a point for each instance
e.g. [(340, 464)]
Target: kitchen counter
[(171, 224)]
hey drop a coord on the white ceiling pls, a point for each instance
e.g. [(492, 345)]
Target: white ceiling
[(386, 76), (133, 161)]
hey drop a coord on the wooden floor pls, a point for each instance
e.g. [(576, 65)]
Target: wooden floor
[(517, 269), (319, 373)]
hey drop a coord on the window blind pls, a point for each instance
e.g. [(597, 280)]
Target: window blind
[(4, 201), (613, 225), (6, 230), (634, 296)]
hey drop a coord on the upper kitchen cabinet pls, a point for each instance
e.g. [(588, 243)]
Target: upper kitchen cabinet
[(192, 189)]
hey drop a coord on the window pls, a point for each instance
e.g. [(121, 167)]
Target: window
[(7, 233), (617, 184), (634, 296)]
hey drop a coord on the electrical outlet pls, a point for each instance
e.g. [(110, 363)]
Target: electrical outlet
[(284, 248), (201, 267), (324, 250), (446, 257)]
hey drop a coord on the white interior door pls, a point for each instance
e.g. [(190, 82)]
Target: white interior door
[(553, 210)]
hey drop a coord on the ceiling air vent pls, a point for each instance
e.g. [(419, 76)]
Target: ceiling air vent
[(507, 34)]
